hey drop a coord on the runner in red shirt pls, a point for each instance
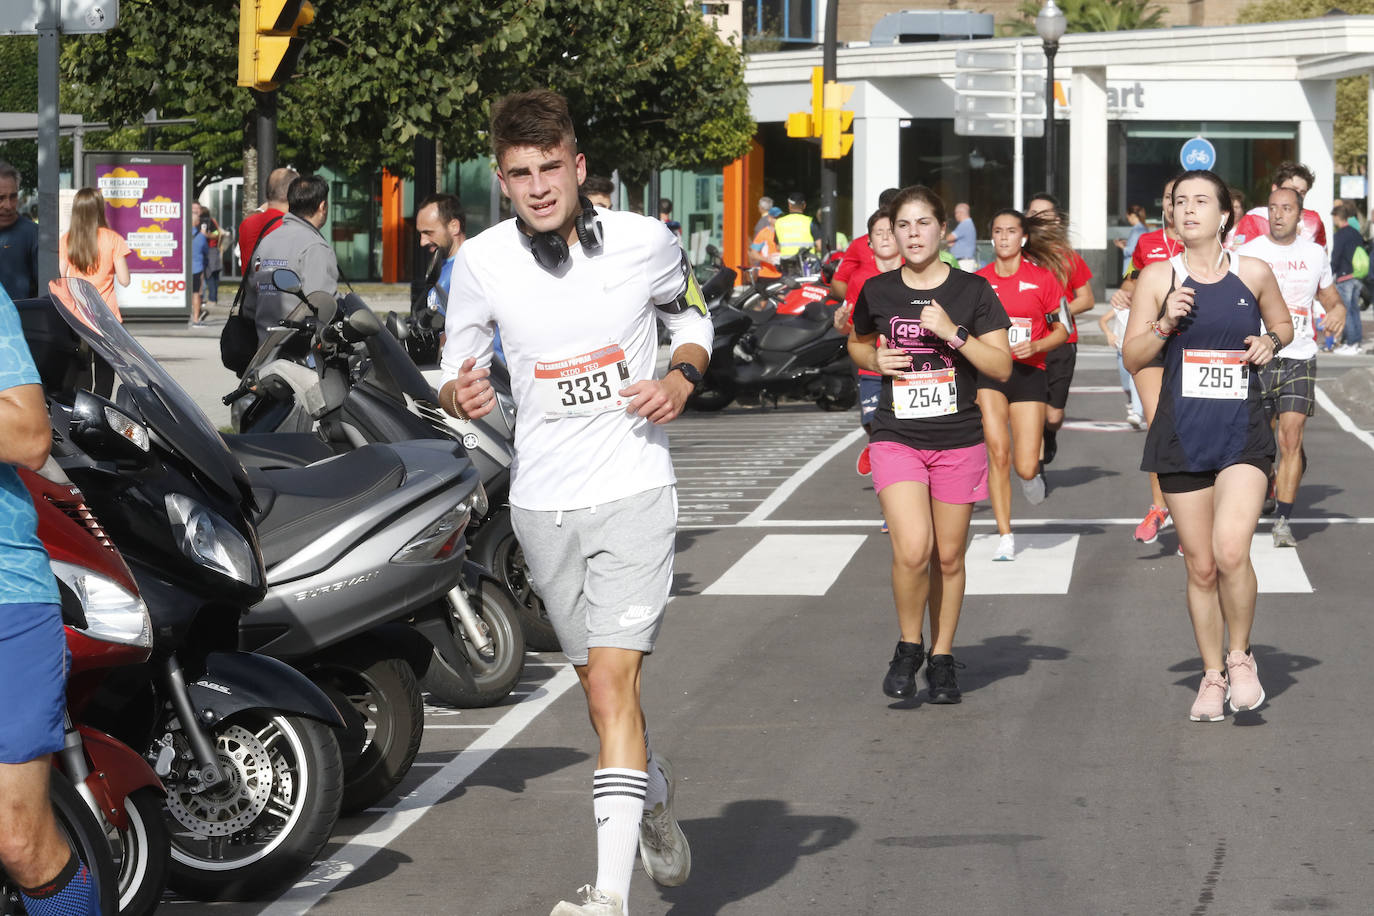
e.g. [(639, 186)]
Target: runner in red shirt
[(1160, 245), (1078, 295), (859, 253), (884, 256), (1255, 224), (1014, 410)]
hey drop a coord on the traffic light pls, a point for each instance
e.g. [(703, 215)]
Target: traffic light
[(269, 43), (807, 124), (836, 140)]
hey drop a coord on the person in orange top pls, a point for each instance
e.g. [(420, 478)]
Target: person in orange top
[(91, 250), (764, 251)]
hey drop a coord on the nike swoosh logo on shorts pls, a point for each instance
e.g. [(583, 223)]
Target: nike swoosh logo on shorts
[(635, 614)]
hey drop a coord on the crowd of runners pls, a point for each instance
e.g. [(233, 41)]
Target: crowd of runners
[(964, 379)]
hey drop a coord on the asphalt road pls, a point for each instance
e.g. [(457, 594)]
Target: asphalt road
[(1069, 781)]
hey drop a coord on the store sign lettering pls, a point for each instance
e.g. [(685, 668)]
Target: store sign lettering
[(1119, 97)]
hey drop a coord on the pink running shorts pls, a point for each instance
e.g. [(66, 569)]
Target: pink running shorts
[(956, 475)]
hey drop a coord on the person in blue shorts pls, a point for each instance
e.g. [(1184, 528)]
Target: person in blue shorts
[(33, 654), (1210, 441)]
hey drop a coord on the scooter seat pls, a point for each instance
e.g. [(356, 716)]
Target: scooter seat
[(299, 505), (277, 450)]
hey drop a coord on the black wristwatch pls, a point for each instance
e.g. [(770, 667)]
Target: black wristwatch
[(1274, 339), (689, 372)]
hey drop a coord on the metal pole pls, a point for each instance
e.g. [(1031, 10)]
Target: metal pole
[(1018, 158), (830, 177), (1050, 48), (47, 144), (267, 138)]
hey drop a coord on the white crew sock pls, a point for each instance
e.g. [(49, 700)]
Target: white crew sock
[(618, 803), (656, 793)]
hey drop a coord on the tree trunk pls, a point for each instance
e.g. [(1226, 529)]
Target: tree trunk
[(250, 167)]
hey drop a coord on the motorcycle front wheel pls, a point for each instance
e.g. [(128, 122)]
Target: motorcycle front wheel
[(78, 824), (254, 833), (495, 671), (496, 547), (141, 853), (380, 699)]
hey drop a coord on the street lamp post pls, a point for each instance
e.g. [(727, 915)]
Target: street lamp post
[(1051, 25)]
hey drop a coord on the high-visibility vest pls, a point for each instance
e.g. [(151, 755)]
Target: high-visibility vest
[(793, 232)]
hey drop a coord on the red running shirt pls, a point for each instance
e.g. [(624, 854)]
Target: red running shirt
[(1154, 246), (1028, 296), (1255, 224)]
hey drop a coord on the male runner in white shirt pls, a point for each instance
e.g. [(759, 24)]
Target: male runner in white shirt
[(575, 291), (1290, 379)]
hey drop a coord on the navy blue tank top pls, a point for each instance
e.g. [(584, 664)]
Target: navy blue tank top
[(1210, 413)]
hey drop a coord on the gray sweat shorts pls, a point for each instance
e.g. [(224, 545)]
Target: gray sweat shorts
[(603, 572)]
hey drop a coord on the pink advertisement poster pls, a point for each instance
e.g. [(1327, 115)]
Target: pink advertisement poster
[(147, 197)]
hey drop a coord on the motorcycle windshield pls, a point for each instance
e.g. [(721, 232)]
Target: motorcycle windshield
[(165, 406), (398, 370)]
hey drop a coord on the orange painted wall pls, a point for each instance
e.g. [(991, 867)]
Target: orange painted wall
[(393, 227)]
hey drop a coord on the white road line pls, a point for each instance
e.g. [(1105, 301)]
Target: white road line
[(1100, 426), (1342, 419), (1024, 522), (1278, 569), (354, 854), (789, 564), (1043, 565), (429, 727), (780, 495), (1096, 389)]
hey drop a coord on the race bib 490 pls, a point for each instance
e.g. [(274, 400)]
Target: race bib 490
[(583, 385)]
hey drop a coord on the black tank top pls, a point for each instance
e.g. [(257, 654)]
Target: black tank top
[(1210, 414)]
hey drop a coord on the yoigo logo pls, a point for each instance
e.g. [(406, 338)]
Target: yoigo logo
[(163, 287)]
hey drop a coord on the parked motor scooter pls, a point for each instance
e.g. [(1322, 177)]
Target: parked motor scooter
[(107, 627), (243, 743)]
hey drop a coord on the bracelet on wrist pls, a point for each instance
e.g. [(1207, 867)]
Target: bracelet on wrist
[(1274, 339), (453, 399), (1160, 332)]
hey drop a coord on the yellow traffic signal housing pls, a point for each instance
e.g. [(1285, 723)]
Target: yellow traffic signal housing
[(799, 124), (269, 43), (817, 99), (836, 140)]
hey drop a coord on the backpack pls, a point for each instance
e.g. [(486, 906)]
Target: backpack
[(1359, 262), (239, 339)]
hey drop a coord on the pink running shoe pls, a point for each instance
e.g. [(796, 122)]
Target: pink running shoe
[(1210, 705), (1246, 692), (864, 466), (1147, 532)]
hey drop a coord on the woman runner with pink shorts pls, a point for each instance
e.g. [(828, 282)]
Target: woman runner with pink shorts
[(929, 330)]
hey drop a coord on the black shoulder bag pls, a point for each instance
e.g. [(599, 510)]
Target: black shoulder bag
[(239, 339)]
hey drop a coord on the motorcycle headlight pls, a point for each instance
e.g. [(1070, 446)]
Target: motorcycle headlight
[(113, 613), (210, 540)]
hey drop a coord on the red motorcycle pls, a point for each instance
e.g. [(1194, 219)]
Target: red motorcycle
[(107, 627)]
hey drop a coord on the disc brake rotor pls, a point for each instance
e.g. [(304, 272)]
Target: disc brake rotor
[(235, 803)]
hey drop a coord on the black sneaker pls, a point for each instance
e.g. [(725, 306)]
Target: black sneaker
[(900, 682), (944, 686), (1051, 440)]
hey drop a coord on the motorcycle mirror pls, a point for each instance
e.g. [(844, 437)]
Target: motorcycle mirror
[(323, 304), (364, 323), (393, 326), (106, 432), (712, 251), (287, 281)]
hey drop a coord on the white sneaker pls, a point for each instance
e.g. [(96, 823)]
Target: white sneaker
[(1006, 548), (663, 849), (1136, 420), (1034, 489), (595, 902)]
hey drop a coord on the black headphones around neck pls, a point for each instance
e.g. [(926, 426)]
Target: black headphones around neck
[(550, 249)]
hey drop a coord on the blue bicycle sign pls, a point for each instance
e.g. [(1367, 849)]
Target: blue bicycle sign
[(1198, 153)]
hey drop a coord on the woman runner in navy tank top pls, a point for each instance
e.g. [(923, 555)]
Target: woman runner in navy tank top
[(1209, 442)]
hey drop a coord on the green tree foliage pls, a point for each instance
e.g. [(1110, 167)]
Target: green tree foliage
[(649, 79), (1092, 16), (1352, 100), (19, 92)]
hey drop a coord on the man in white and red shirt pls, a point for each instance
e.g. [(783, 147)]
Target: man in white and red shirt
[(1255, 224), (1289, 380)]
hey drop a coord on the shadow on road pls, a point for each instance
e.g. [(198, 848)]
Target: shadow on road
[(1276, 670), (747, 849), (999, 657), (1058, 478)]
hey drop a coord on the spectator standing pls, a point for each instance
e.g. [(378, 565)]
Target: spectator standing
[(764, 250), (1354, 216), (765, 207), (665, 216), (1135, 218), (598, 189), (1344, 242), (796, 231), (963, 241), (18, 240), (268, 216), (297, 245), (218, 239), (200, 256), (91, 250)]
